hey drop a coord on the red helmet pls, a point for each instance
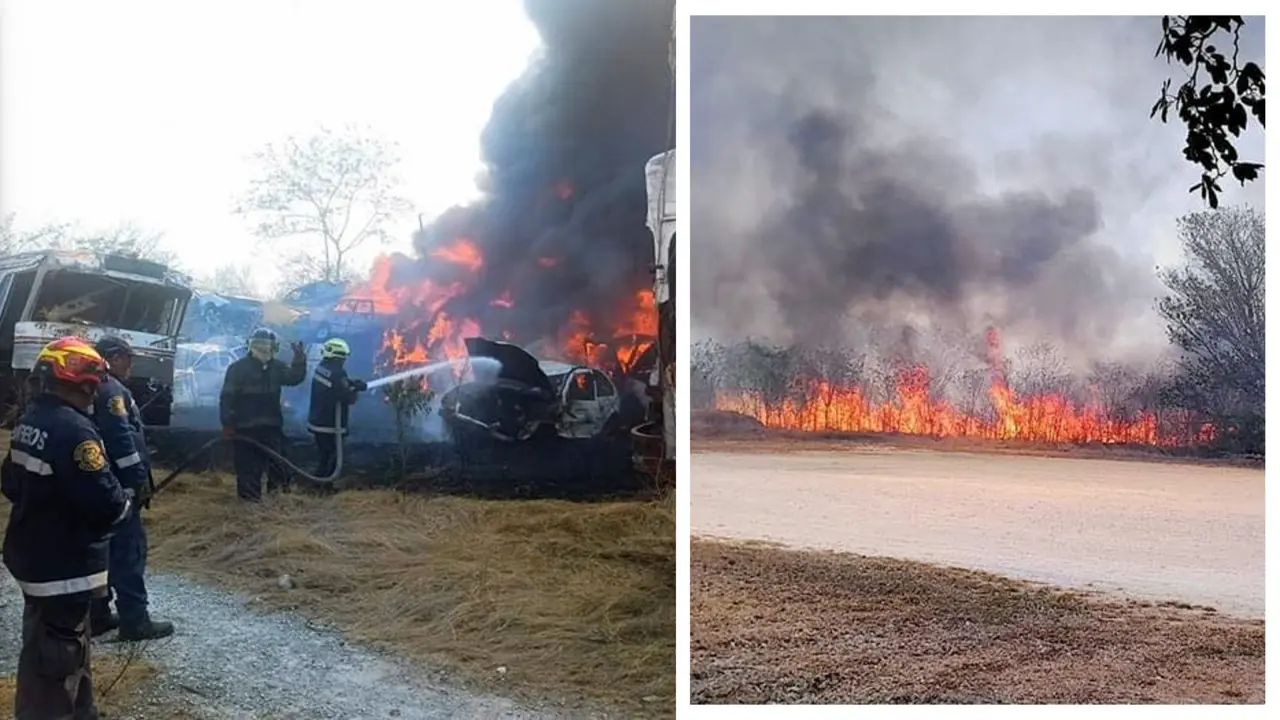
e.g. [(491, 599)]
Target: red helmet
[(71, 360)]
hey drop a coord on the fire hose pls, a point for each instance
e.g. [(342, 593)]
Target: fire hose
[(274, 454)]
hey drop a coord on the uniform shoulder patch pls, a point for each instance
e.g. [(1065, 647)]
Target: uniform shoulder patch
[(89, 456), (117, 407)]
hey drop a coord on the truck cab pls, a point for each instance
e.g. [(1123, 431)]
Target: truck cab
[(48, 294)]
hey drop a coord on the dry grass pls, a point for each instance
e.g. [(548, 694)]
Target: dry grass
[(118, 678), (781, 626), (576, 601)]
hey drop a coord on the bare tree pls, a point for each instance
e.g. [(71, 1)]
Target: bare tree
[(1216, 315), (13, 240), (123, 239), (301, 267), (232, 279), (335, 189)]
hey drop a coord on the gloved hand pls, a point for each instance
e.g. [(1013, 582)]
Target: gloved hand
[(132, 497), (299, 350), (228, 431), (144, 494), (359, 385)]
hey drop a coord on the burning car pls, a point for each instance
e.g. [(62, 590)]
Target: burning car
[(528, 397)]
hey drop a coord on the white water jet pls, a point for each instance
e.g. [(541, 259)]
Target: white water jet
[(461, 370)]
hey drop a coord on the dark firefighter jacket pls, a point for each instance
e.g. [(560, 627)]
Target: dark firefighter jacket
[(251, 391), (65, 501), (331, 389), (120, 423)]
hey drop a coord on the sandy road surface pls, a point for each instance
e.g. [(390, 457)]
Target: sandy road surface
[(1150, 530)]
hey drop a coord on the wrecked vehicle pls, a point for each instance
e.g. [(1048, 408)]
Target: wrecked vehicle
[(528, 397), (48, 294), (349, 316), (198, 372)]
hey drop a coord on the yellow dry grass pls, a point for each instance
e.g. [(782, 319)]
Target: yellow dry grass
[(576, 601)]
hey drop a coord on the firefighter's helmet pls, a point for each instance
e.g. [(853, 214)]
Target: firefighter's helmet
[(335, 348), (266, 338), (71, 360)]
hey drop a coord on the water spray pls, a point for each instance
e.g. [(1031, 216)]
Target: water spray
[(471, 364)]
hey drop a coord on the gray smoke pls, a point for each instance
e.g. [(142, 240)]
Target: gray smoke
[(958, 172)]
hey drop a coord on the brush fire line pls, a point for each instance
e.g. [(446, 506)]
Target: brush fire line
[(822, 406)]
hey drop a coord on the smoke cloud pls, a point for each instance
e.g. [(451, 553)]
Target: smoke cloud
[(957, 172), (562, 226)]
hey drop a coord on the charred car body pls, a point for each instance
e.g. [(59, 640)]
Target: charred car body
[(49, 294), (526, 398)]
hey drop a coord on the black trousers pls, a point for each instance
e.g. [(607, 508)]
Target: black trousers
[(54, 680), (326, 452), (251, 462)]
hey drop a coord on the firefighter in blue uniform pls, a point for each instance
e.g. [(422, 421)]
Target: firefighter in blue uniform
[(120, 423), (331, 389), (66, 502), (250, 407)]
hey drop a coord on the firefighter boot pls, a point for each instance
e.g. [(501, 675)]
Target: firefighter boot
[(148, 629)]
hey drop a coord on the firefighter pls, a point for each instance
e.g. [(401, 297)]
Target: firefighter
[(250, 408), (331, 389), (66, 501), (120, 423)]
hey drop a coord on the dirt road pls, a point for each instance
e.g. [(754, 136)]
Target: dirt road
[(1146, 530)]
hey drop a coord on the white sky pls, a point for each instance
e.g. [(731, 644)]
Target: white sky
[(146, 111)]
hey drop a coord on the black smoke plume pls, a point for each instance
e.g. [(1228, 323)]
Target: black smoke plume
[(562, 223), (959, 172)]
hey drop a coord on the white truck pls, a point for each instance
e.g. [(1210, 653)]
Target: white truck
[(48, 294), (654, 443)]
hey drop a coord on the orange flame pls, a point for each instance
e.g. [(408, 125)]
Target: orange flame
[(427, 331), (1048, 418), (504, 300), (461, 252)]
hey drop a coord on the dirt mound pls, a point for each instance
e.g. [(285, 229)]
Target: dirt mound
[(720, 423), (780, 626)]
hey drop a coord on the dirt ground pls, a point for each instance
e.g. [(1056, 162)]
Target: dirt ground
[(781, 626), (1156, 531)]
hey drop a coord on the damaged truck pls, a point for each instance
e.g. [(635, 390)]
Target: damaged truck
[(48, 294)]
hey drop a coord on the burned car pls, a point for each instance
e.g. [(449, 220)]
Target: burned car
[(525, 397), (198, 371)]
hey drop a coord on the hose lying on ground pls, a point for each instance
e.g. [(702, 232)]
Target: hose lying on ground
[(271, 452)]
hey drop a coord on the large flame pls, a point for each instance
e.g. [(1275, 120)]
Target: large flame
[(426, 328), (1047, 418)]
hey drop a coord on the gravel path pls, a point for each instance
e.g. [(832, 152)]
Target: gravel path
[(230, 661), (1151, 530)]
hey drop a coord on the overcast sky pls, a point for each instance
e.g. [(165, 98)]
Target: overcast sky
[(927, 125), (146, 111)]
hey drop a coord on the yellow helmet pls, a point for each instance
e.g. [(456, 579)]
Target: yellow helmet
[(335, 348)]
